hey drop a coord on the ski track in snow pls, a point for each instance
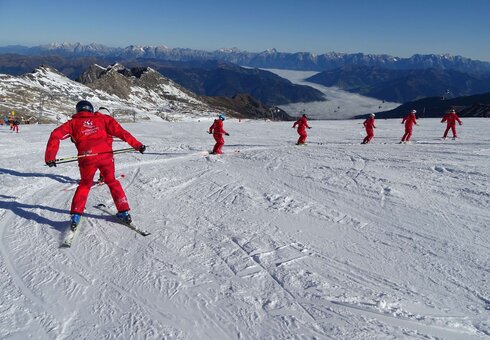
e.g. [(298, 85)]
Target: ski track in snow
[(335, 240)]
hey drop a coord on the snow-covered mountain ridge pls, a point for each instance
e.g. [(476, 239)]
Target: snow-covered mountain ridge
[(46, 93), (270, 58), (335, 240)]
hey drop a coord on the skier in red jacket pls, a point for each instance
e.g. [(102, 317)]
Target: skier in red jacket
[(369, 125), (451, 118), (302, 124), (217, 130), (409, 121), (91, 133)]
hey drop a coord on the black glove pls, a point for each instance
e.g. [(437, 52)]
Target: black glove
[(210, 132), (51, 163), (142, 149), (227, 134)]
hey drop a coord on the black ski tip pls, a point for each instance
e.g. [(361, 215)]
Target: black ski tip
[(102, 205)]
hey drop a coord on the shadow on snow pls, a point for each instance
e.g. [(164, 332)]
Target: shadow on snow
[(24, 211), (59, 178)]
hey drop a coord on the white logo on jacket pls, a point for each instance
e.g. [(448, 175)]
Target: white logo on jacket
[(88, 123), (89, 128)]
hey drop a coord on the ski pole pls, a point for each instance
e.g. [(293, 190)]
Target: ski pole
[(75, 158)]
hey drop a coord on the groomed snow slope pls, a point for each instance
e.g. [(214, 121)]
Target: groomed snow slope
[(335, 240)]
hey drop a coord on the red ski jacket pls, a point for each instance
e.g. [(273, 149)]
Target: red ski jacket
[(217, 128), (369, 123), (451, 119), (409, 120), (91, 133), (302, 124)]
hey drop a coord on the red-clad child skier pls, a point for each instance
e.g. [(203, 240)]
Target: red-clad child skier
[(217, 130), (369, 125), (409, 121), (302, 124), (91, 134), (451, 118)]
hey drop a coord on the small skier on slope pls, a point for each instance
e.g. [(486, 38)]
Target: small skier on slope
[(217, 130), (15, 125), (369, 125), (90, 132), (451, 118), (302, 124), (409, 121)]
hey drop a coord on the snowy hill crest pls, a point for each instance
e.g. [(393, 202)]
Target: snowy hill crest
[(125, 83), (45, 93)]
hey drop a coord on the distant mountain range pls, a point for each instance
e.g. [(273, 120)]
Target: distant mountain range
[(403, 85), (206, 78), (466, 106), (267, 59), (230, 79), (223, 79)]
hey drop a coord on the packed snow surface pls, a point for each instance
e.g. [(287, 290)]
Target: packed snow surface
[(333, 240)]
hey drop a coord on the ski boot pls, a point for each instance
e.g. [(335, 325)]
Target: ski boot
[(75, 219), (124, 217)]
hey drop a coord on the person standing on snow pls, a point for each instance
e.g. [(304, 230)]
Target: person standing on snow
[(369, 126), (409, 121), (451, 118), (91, 131), (217, 130), (302, 124), (15, 125)]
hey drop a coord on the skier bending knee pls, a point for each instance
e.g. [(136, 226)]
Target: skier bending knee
[(92, 134)]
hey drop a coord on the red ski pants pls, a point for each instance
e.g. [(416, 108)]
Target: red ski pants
[(453, 129), (302, 136), (88, 166), (370, 135), (220, 141), (408, 134)]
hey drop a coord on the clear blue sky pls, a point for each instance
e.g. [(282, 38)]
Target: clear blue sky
[(396, 27)]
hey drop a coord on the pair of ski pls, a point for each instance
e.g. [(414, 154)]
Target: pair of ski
[(73, 232)]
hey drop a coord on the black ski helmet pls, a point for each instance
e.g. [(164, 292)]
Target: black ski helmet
[(84, 106)]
